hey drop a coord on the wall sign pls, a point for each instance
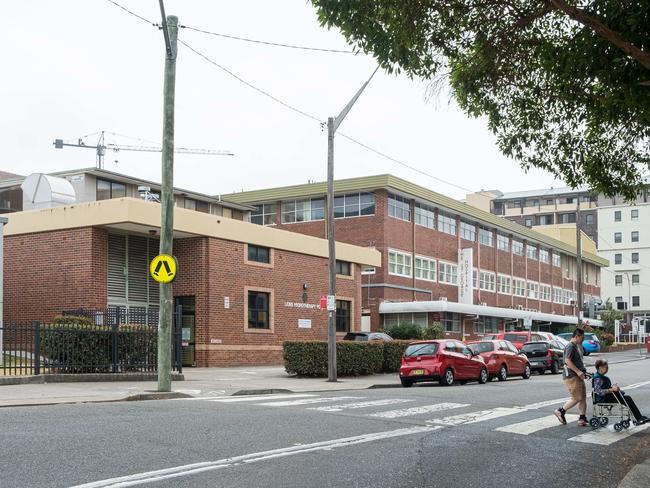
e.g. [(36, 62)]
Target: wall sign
[(304, 323)]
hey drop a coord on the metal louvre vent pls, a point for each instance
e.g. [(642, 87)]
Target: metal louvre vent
[(138, 278), (116, 267), (129, 283), (154, 287)]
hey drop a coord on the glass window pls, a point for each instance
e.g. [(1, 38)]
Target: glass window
[(259, 254), (399, 207), (618, 280), (202, 206), (557, 260), (467, 231), (618, 258), (425, 268), (189, 204), (486, 325), (293, 211), (399, 264), (348, 205), (531, 251), (451, 323), (518, 247), (589, 220), (544, 256), (366, 204), (485, 237), (487, 281), (635, 257), (636, 301), (425, 216), (533, 290), (504, 284), (545, 293), (343, 268), (557, 295), (518, 287), (446, 223), (368, 270), (528, 222), (110, 189), (343, 315), (258, 310), (263, 214), (635, 236), (635, 279), (618, 237), (567, 218), (617, 216), (545, 220), (448, 273), (503, 242), (634, 214)]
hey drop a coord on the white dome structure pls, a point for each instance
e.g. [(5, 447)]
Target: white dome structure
[(44, 191)]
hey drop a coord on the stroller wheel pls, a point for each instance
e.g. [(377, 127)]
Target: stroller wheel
[(603, 421), (594, 422), (618, 427), (626, 424)]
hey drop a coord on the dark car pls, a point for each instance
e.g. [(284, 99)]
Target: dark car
[(367, 336), (501, 358), (442, 360), (544, 355)]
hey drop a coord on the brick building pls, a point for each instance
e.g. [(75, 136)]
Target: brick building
[(244, 289), (519, 275)]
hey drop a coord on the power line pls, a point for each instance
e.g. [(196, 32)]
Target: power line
[(267, 43), (133, 13)]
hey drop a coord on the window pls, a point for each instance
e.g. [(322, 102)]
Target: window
[(189, 204), (528, 222), (399, 207), (303, 210), (567, 218), (545, 220), (549, 201), (504, 284), (418, 318), (636, 301), (399, 264), (533, 290), (544, 256), (617, 216), (516, 203), (634, 214), (425, 216), (557, 295), (485, 237), (557, 260), (589, 219), (343, 315), (544, 293), (635, 236), (202, 206), (368, 270), (635, 257), (635, 279), (569, 199), (488, 281), (263, 214), (475, 279), (446, 224), (618, 299), (618, 280), (343, 268), (569, 296), (109, 189), (503, 242), (618, 237), (531, 251), (517, 247), (467, 231), (618, 258), (518, 287), (485, 325), (258, 310), (450, 322), (259, 254), (448, 273), (425, 268), (354, 205)]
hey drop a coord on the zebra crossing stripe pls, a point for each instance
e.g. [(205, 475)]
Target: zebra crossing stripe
[(535, 425), (475, 417), (354, 406), (307, 401), (408, 412), (254, 398), (605, 436)]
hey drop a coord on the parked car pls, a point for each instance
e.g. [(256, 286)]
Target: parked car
[(502, 358), (544, 355), (367, 336), (442, 360), (548, 336), (519, 338), (590, 343)]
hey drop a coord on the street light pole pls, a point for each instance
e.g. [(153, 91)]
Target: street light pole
[(333, 124)]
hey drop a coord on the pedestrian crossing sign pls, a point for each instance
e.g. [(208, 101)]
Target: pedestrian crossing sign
[(163, 268)]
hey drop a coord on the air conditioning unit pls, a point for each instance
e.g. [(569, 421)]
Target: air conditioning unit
[(443, 299)]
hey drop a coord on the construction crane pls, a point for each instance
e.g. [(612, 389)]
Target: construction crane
[(101, 147)]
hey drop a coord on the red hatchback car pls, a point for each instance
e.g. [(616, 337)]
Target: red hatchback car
[(518, 338), (443, 360), (501, 358)]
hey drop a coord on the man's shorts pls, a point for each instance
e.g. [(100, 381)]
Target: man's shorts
[(576, 388)]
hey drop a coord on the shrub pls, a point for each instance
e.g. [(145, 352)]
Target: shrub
[(434, 331), (405, 332), (393, 352), (607, 339)]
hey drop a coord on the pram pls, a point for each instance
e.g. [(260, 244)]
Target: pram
[(603, 411)]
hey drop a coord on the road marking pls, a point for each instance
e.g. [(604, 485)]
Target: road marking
[(535, 425), (546, 403), (407, 412), (354, 406), (196, 468), (251, 398), (635, 385), (307, 401), (605, 437), (475, 417)]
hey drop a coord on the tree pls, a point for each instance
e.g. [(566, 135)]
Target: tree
[(609, 316), (565, 86)]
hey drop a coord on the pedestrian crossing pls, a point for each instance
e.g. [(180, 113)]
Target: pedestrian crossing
[(439, 415)]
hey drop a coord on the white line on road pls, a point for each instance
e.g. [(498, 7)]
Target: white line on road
[(196, 468), (407, 412), (251, 398), (605, 437), (307, 401), (635, 385), (475, 417), (354, 406), (535, 425)]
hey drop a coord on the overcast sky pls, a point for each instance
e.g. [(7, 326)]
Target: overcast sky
[(75, 67)]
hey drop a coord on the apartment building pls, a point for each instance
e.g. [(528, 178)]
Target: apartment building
[(442, 260)]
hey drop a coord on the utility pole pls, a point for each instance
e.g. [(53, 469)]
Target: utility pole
[(166, 305), (579, 263), (333, 124)]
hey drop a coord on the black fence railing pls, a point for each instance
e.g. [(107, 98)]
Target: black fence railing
[(117, 315), (69, 348)]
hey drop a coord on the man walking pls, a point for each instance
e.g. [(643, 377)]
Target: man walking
[(574, 377)]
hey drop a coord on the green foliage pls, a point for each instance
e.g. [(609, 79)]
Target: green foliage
[(71, 321), (309, 358), (434, 331), (609, 316), (557, 94), (405, 331)]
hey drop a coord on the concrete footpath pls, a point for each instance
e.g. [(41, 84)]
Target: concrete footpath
[(209, 382)]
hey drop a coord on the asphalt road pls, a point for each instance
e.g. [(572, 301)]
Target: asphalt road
[(497, 434)]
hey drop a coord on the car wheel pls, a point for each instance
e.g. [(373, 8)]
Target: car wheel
[(483, 377), (526, 374), (555, 368), (447, 378), (503, 373), (406, 383)]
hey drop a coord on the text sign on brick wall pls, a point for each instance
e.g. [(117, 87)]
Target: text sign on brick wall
[(465, 276), (163, 268)]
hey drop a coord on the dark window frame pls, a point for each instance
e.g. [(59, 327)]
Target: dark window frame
[(255, 308)]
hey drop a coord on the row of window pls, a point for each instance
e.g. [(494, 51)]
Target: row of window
[(634, 258), (535, 202), (261, 254), (634, 236), (618, 215), (618, 280), (636, 300)]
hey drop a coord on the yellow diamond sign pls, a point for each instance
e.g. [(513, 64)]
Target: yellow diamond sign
[(163, 268)]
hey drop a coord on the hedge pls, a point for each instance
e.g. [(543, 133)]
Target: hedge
[(309, 358)]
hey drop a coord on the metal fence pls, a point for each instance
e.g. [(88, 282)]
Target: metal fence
[(69, 348), (117, 315)]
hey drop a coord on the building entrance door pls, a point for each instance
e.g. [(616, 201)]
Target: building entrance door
[(188, 323)]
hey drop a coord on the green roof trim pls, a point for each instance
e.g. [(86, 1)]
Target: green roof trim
[(390, 182)]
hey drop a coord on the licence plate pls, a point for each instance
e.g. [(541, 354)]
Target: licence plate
[(416, 372)]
